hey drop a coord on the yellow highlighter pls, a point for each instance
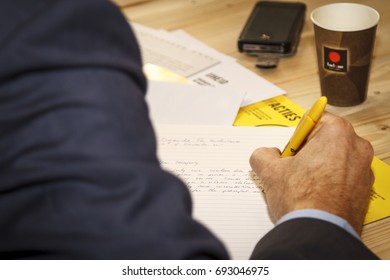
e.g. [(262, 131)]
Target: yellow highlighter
[(305, 127)]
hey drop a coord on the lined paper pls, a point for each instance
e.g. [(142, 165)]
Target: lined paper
[(214, 163)]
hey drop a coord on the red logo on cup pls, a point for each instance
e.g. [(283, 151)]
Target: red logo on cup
[(335, 60), (334, 57)]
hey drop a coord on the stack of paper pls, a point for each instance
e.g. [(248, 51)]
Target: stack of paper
[(176, 56), (194, 96)]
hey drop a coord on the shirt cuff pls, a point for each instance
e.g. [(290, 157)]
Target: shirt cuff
[(321, 215)]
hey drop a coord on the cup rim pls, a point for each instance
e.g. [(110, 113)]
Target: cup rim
[(374, 12)]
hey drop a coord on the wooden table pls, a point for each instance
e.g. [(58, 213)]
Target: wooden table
[(218, 24)]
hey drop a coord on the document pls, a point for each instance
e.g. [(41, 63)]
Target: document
[(213, 161), (190, 59), (228, 73), (172, 103), (160, 49), (279, 111), (235, 76)]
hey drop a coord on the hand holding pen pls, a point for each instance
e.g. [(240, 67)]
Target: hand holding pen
[(330, 172), (305, 127)]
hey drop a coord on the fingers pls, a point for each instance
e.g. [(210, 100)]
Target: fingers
[(261, 158), (331, 172), (262, 161), (338, 132)]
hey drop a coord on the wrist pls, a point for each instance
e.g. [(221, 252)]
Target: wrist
[(321, 215)]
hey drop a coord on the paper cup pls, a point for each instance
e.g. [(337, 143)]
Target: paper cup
[(345, 35)]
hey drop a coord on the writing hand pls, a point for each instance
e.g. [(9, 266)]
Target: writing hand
[(331, 172)]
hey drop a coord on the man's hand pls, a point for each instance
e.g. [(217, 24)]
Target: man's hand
[(331, 172)]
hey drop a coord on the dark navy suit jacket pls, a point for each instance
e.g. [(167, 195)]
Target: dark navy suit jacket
[(79, 177)]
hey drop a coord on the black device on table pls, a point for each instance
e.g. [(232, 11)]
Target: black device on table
[(272, 31)]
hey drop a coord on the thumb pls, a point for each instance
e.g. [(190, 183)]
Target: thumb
[(262, 157)]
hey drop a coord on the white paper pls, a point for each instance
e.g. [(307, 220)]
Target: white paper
[(235, 76), (159, 49), (186, 39), (228, 73), (214, 163), (186, 56), (172, 103)]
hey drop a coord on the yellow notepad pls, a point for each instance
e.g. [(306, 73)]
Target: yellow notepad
[(379, 206)]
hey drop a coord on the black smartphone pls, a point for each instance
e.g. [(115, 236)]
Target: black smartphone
[(273, 28)]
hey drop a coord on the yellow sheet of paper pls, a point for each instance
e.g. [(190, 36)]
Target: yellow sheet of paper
[(379, 206), (278, 111)]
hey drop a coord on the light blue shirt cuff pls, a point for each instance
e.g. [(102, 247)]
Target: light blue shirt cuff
[(321, 215)]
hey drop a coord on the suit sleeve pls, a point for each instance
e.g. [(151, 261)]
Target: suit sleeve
[(78, 168), (308, 238)]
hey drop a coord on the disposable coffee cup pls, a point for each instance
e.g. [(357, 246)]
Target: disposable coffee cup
[(345, 35)]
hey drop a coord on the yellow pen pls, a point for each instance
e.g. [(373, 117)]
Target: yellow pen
[(305, 127)]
